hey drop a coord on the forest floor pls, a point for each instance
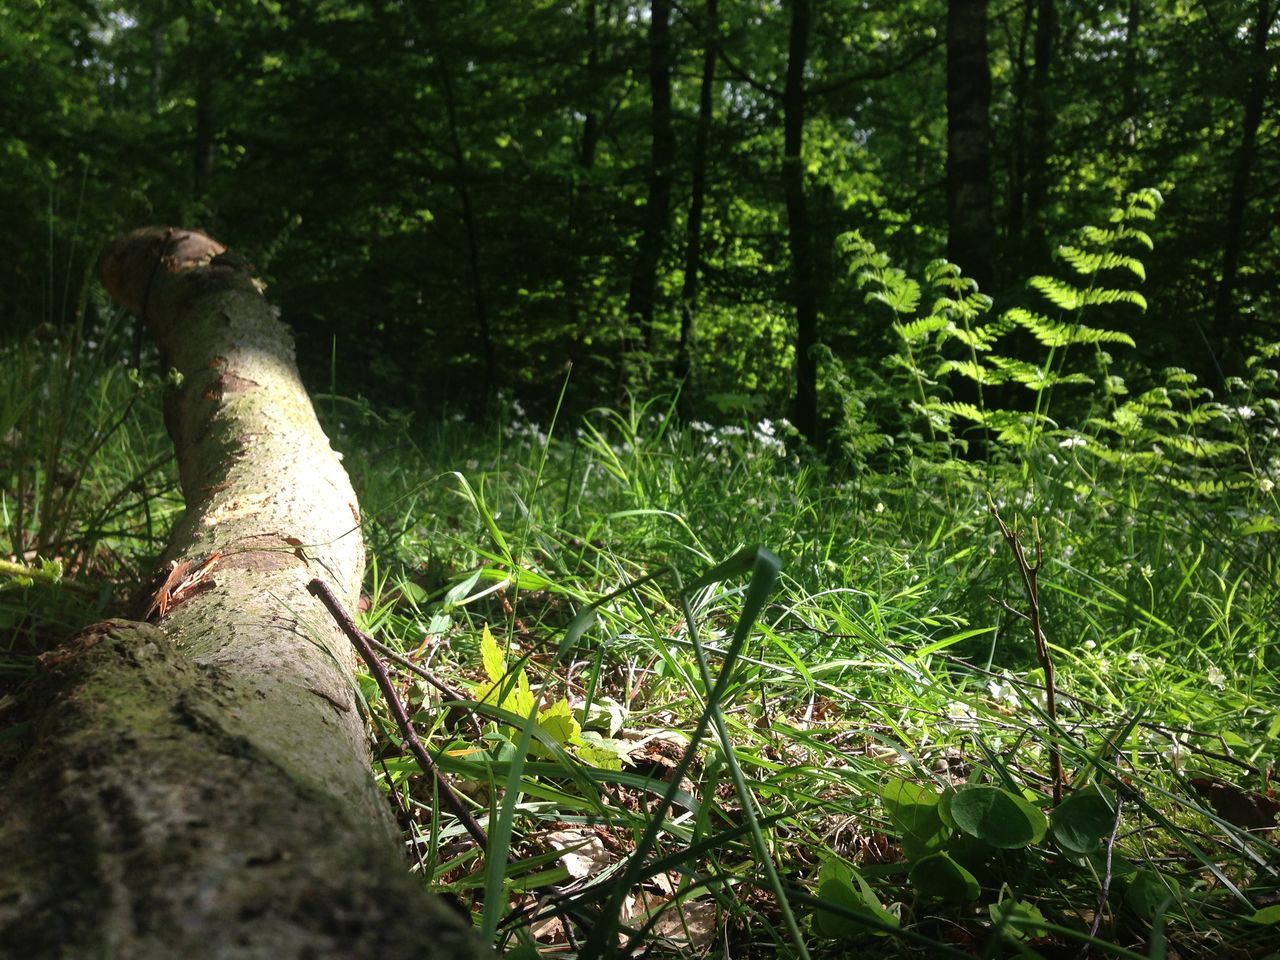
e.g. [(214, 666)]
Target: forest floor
[(718, 697)]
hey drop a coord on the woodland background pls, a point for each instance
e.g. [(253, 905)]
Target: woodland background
[(454, 198), (595, 295)]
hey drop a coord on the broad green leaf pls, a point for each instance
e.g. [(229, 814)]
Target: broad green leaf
[(1149, 891), (997, 817), (1017, 919), (941, 878), (913, 809), (844, 888), (1268, 916), (1084, 820)]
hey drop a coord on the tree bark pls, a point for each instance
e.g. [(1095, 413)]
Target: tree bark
[(644, 278), (1036, 246), (199, 786), (697, 200), (205, 146), (1255, 99), (804, 296), (970, 231)]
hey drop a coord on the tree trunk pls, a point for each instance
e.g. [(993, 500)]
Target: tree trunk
[(1255, 98), (1015, 198), (1132, 56), (1036, 244), (970, 231), (697, 199), (644, 279), (205, 146), (471, 229), (199, 786), (591, 122), (803, 293)]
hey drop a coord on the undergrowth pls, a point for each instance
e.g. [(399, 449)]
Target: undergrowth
[(715, 694)]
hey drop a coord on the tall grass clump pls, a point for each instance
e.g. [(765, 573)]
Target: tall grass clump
[(87, 488), (851, 749)]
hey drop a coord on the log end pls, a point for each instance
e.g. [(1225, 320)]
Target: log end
[(129, 266)]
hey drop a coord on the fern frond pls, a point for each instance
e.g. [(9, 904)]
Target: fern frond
[(972, 371), (1054, 333), (1070, 298), (1108, 238), (1087, 263), (1032, 376), (897, 292), (1199, 448), (981, 337), (954, 408), (916, 330), (968, 307)]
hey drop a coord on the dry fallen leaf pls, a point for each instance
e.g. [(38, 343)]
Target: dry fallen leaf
[(584, 852)]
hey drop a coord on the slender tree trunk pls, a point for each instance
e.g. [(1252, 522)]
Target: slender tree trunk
[(799, 232), (1132, 31), (591, 122), (1255, 101), (1036, 246), (1015, 213), (697, 198), (644, 279), (158, 27), (471, 230), (199, 786), (205, 145), (971, 232)]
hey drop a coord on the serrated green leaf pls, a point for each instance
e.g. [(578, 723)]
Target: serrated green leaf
[(492, 657), (559, 723)]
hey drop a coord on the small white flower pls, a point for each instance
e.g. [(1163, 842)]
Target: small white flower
[(1090, 644), (701, 426), (1244, 412), (1070, 442), (473, 465), (1266, 485), (1216, 677), (880, 508), (765, 427)]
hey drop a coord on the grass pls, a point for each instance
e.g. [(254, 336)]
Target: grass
[(778, 758), (891, 649)]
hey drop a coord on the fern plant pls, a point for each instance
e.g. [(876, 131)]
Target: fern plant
[(950, 357)]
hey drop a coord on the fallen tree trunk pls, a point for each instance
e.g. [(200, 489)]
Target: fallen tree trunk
[(200, 786)]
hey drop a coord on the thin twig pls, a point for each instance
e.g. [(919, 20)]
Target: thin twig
[(1030, 584), (1106, 878), (364, 644)]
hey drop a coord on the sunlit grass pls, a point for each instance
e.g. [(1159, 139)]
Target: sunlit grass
[(890, 647)]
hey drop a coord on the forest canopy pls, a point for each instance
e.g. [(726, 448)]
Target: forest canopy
[(456, 198)]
